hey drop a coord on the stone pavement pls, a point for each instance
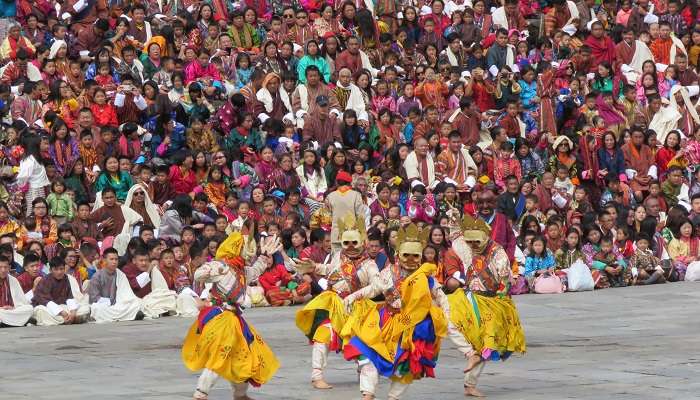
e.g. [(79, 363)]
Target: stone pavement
[(631, 343)]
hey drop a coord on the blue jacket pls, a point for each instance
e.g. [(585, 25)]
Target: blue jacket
[(614, 164), (318, 61)]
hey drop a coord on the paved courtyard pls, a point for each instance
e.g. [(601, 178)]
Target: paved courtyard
[(632, 343)]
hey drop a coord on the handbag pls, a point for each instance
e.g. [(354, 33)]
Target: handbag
[(548, 284), (519, 286)]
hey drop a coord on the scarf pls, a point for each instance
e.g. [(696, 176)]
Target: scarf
[(247, 41), (88, 155), (64, 153), (607, 112), (423, 169), (5, 294)]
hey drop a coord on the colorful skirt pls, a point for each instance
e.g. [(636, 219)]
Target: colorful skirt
[(490, 324), (410, 357), (222, 341), (322, 319)]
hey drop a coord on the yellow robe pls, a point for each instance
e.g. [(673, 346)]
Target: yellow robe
[(490, 324), (397, 331)]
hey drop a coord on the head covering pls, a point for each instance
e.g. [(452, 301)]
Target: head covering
[(150, 207), (270, 76), (561, 139), (344, 177), (160, 41), (607, 112), (55, 47)]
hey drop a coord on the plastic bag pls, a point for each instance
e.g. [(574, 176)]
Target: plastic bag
[(692, 273), (579, 277)]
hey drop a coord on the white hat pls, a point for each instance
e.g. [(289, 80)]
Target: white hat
[(590, 23), (650, 19), (693, 90), (570, 29), (466, 74), (515, 68), (493, 70), (661, 67), (416, 183), (450, 180)]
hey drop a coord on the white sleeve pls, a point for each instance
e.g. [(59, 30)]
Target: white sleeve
[(54, 309), (79, 5), (143, 279), (25, 170), (119, 100), (140, 102)]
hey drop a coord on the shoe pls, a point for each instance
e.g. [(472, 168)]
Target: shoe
[(139, 316)]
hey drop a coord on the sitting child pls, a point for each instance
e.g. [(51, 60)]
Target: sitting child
[(610, 266), (645, 267), (421, 206), (539, 261), (281, 289)]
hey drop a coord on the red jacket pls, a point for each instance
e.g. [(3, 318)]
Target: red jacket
[(274, 275)]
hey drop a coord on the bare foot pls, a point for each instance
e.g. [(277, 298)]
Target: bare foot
[(472, 362), (199, 395), (472, 391), (320, 384), (243, 398)]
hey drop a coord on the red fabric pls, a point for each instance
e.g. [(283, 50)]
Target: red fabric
[(602, 49), (104, 115), (663, 157), (502, 233), (343, 176), (274, 275), (180, 184)]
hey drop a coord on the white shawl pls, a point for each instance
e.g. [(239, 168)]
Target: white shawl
[(285, 99), (265, 97), (151, 209), (665, 121), (573, 10), (641, 55), (412, 171), (677, 45), (510, 56), (131, 218), (366, 64), (55, 47), (22, 310), (451, 57), (356, 101), (499, 17), (125, 307), (161, 299), (303, 99)]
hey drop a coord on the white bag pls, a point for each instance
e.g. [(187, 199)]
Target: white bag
[(579, 277), (692, 273)]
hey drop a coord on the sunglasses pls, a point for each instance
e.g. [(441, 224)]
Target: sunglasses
[(139, 194), (288, 16), (350, 242)]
